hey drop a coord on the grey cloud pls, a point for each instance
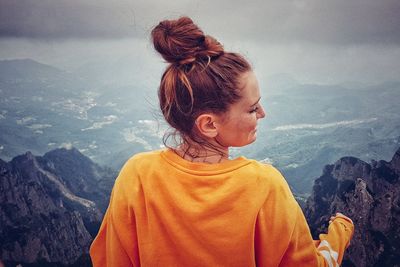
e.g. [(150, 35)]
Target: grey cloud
[(65, 19), (315, 21), (339, 22)]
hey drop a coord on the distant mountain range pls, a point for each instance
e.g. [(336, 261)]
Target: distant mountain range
[(307, 125), (51, 207)]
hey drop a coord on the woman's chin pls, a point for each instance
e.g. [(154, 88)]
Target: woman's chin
[(253, 138)]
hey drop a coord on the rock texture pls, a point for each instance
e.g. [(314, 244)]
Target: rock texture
[(48, 209), (370, 195)]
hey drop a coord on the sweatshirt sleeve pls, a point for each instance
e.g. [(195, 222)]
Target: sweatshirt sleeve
[(116, 242), (283, 237), (333, 244), (328, 251)]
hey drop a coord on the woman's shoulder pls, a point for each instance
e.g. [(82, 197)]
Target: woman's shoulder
[(269, 175), (266, 169), (277, 189), (136, 164), (141, 160)]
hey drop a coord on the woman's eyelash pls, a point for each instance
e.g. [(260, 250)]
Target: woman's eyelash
[(254, 110)]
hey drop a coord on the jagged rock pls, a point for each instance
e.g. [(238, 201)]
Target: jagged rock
[(369, 195), (44, 220), (80, 174)]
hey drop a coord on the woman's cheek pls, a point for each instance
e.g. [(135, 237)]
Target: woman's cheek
[(253, 120)]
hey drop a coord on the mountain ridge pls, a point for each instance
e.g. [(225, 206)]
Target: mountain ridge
[(43, 220)]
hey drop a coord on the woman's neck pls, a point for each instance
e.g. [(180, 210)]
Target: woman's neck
[(207, 153)]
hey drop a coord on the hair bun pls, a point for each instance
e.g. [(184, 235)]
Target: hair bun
[(181, 41)]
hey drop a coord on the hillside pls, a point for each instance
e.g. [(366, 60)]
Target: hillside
[(51, 207), (370, 195)]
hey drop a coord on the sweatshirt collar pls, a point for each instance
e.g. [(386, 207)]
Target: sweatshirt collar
[(200, 168)]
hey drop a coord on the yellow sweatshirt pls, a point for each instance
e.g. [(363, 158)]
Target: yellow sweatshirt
[(166, 211)]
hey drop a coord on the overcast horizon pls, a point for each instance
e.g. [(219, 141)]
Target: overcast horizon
[(313, 41)]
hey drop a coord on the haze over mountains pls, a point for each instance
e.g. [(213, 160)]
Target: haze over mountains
[(307, 126)]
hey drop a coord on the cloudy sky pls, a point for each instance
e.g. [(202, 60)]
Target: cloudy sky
[(316, 41)]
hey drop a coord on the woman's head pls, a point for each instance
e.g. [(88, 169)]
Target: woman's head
[(201, 77)]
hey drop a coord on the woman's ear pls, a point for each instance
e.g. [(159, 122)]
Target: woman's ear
[(206, 125)]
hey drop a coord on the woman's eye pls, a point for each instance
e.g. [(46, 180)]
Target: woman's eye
[(254, 110)]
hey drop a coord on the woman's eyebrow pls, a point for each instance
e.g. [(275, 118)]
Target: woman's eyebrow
[(256, 102)]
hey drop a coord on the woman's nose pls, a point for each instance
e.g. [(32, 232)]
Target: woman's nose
[(261, 113)]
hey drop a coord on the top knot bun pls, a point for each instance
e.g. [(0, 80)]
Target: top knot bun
[(181, 41)]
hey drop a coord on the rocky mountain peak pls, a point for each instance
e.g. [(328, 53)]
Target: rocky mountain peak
[(27, 158), (79, 173), (395, 162), (350, 168), (67, 152), (42, 218), (370, 195)]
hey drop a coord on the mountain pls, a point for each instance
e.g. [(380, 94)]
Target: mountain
[(51, 207), (12, 71), (370, 195), (80, 174)]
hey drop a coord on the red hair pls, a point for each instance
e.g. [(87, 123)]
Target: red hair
[(201, 77)]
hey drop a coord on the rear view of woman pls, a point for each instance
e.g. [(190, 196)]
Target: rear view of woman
[(190, 204)]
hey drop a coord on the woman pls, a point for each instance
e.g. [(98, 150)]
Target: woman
[(189, 204)]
